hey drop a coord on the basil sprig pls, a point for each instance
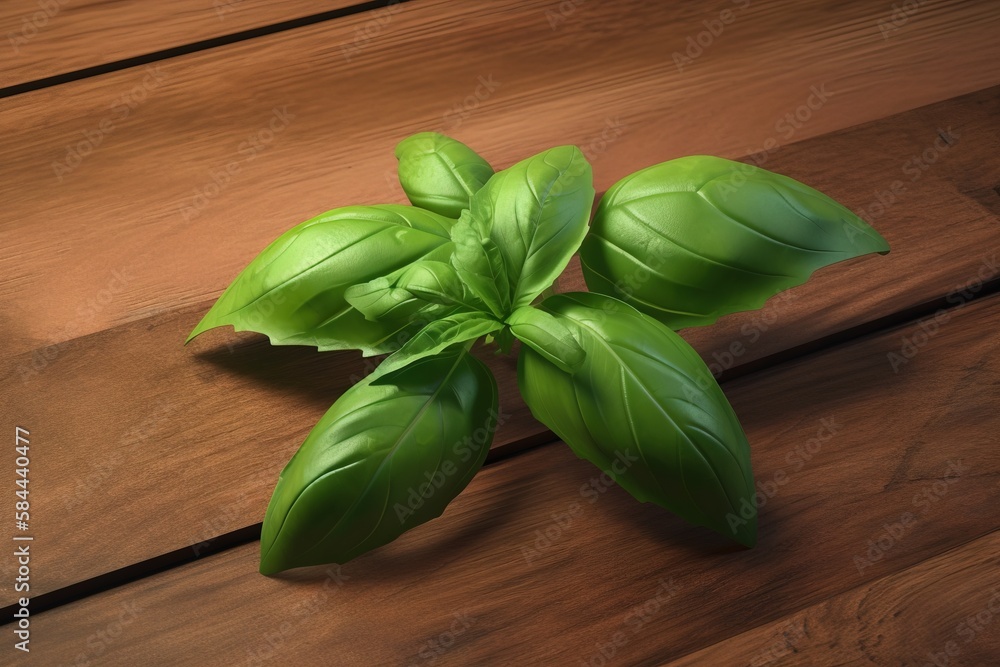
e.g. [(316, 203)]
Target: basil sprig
[(677, 244)]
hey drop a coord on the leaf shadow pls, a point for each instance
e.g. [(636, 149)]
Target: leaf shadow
[(784, 395), (320, 377), (660, 524), (458, 534)]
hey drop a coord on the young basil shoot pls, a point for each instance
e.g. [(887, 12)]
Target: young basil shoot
[(674, 245)]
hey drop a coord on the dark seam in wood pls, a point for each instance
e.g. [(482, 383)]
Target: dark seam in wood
[(185, 49), (242, 536)]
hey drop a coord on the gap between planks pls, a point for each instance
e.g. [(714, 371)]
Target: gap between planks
[(248, 534), (773, 579), (938, 201), (192, 47)]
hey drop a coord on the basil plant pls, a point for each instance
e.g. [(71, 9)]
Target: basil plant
[(675, 245)]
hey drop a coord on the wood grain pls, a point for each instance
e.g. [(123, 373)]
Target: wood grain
[(945, 611), (49, 37), (128, 173), (224, 414), (843, 449)]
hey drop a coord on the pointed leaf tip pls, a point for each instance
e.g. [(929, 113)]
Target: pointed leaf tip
[(350, 487), (643, 405), (711, 237)]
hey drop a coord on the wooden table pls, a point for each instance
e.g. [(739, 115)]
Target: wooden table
[(869, 395)]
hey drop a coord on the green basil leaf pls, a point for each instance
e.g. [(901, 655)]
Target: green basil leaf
[(384, 459), (536, 212), (440, 174), (432, 292), (480, 265), (437, 336), (439, 283), (293, 292), (696, 238), (429, 288), (644, 407), (548, 336), (504, 340), (382, 299)]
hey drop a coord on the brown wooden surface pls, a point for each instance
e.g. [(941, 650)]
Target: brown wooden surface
[(857, 445), (141, 446), (50, 37), (129, 205), (226, 419), (944, 609)]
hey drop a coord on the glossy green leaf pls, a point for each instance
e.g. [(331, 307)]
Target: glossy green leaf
[(293, 292), (440, 174), (548, 336), (439, 335), (382, 299), (692, 239), (536, 213), (428, 289), (504, 340), (479, 265), (384, 459), (643, 406), (439, 282)]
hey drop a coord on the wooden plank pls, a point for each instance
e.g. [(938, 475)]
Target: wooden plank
[(842, 448), (943, 611), (118, 187), (226, 419), (47, 38)]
